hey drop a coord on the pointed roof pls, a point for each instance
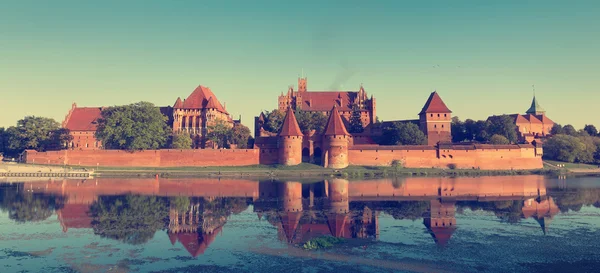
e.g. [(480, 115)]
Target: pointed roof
[(200, 98), (83, 119), (290, 125), (289, 223), (172, 237), (441, 235), (435, 104), (335, 124), (337, 224), (535, 108), (178, 103), (211, 104)]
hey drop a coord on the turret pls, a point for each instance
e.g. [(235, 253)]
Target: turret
[(290, 140), (436, 120), (336, 139)]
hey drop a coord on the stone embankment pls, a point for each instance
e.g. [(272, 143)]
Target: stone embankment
[(27, 170)]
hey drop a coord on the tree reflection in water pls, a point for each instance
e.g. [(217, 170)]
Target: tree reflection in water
[(26, 206)]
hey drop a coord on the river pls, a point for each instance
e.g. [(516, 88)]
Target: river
[(420, 224)]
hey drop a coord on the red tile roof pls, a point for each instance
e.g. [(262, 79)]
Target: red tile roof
[(290, 125), (322, 100), (337, 224), (83, 119), (335, 124), (289, 223), (531, 118), (199, 99), (545, 119), (195, 243), (435, 104), (178, 103), (442, 235), (74, 216)]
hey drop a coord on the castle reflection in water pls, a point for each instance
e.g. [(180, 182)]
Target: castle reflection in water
[(198, 209)]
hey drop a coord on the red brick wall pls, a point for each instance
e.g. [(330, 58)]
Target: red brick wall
[(84, 140), (486, 159), (151, 158)]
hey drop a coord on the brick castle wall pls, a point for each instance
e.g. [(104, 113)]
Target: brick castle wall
[(150, 158), (506, 157), (486, 159)]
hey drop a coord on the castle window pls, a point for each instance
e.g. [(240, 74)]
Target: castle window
[(438, 115), (431, 115), (434, 126), (442, 125), (445, 115)]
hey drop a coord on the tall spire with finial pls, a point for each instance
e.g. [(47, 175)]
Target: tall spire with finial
[(535, 108)]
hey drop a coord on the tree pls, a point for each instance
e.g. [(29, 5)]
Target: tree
[(569, 130), (591, 130), (132, 219), (273, 120), (401, 133), (563, 148), (498, 139), (503, 125), (240, 135), (138, 126), (219, 133), (37, 133), (3, 140), (356, 125), (557, 129), (181, 141), (477, 130), (311, 121), (459, 131)]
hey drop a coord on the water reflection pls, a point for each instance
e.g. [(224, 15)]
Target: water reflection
[(193, 212)]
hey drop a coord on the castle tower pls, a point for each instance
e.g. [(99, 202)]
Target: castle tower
[(290, 140), (302, 84), (535, 108), (336, 139), (441, 222), (436, 120)]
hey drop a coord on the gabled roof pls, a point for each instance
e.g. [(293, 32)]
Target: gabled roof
[(178, 103), (196, 243), (435, 104), (290, 125), (200, 98), (531, 118), (544, 119), (335, 124), (83, 119), (535, 107), (322, 100)]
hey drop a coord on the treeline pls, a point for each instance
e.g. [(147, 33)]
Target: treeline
[(35, 133), (570, 145), (141, 126), (496, 130), (137, 126)]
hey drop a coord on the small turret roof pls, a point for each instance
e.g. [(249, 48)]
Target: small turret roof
[(290, 125), (435, 104), (178, 103), (335, 124), (535, 108)]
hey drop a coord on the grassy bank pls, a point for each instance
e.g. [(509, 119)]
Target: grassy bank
[(299, 171)]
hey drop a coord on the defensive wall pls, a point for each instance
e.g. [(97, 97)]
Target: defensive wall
[(477, 156)]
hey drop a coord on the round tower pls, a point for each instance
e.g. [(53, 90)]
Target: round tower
[(338, 195), (290, 141), (336, 139)]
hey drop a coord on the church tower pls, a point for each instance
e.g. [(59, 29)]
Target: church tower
[(290, 140), (336, 139), (435, 120)]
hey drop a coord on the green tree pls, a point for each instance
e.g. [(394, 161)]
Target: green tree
[(498, 139), (401, 133), (37, 133), (3, 140), (132, 219), (311, 121), (477, 130), (356, 125), (563, 148), (591, 130), (219, 133), (459, 131), (138, 126), (557, 129), (181, 141), (240, 135), (569, 130), (504, 125), (23, 206), (273, 120)]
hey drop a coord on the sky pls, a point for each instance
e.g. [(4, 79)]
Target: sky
[(482, 57)]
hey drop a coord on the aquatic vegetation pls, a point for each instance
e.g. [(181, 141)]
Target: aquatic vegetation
[(322, 242)]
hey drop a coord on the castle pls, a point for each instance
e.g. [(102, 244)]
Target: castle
[(193, 116), (333, 147), (534, 124)]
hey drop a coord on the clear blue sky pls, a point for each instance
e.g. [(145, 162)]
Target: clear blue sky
[(481, 56)]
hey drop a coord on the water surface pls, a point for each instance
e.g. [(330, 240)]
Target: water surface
[(485, 224)]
